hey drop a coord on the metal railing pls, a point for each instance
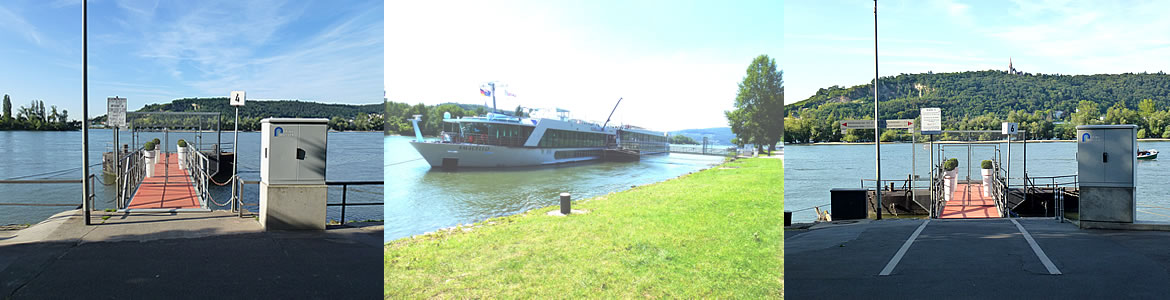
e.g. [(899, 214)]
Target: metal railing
[(130, 175), (1057, 184), (89, 197), (699, 149), (483, 139), (999, 189), (197, 164), (938, 192), (344, 194)]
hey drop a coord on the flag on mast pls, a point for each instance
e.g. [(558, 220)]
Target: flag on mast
[(485, 92)]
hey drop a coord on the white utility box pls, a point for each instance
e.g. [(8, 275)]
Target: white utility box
[(292, 173), (293, 150), (1106, 156)]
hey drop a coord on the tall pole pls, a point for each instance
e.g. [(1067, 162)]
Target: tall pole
[(493, 84), (117, 156), (84, 113), (235, 164), (877, 126)]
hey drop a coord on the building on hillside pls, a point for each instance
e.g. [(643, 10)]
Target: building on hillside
[(1012, 69)]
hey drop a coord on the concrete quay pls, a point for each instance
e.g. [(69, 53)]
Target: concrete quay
[(187, 255)]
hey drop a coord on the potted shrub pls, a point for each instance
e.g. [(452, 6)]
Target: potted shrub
[(149, 155), (986, 170), (157, 144), (950, 177), (182, 153)]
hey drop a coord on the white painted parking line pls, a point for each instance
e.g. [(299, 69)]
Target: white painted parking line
[(905, 246), (1036, 248)]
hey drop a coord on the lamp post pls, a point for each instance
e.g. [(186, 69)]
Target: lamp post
[(877, 128), (84, 114)]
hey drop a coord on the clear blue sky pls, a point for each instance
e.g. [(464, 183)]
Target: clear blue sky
[(831, 42), (155, 51), (676, 63)]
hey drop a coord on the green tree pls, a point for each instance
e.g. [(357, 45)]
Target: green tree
[(684, 140), (758, 117), (361, 121), (7, 108)]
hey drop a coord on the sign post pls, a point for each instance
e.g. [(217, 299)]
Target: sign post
[(1009, 129), (931, 120), (931, 125), (236, 99), (116, 117)]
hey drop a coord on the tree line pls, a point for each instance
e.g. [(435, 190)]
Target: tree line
[(36, 117), (341, 117), (398, 116), (1046, 106)]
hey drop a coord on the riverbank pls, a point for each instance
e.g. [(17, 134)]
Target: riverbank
[(714, 233)]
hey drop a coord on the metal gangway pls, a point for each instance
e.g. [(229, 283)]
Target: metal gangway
[(968, 198), (171, 181)]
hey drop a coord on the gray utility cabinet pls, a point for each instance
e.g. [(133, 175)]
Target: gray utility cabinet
[(1106, 156), (293, 150)]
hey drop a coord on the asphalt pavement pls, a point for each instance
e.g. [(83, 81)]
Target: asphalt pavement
[(187, 255), (975, 259)]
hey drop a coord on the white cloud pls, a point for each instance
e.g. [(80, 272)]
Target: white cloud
[(17, 24), (445, 54), (1092, 37), (213, 48)]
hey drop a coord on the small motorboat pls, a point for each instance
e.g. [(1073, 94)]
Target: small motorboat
[(1147, 154)]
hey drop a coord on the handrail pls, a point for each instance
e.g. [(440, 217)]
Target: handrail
[(344, 193), (196, 163), (938, 195), (999, 190), (130, 176), (345, 190)]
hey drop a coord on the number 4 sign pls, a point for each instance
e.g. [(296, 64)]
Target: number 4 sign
[(237, 98)]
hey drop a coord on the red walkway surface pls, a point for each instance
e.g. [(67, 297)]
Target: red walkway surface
[(157, 192), (967, 202)]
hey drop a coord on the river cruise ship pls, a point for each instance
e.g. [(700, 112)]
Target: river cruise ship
[(547, 137)]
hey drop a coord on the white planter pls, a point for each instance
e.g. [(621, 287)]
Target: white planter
[(149, 169), (182, 157), (950, 182), (986, 182), (148, 157)]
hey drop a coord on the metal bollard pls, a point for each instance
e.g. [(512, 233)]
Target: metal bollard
[(566, 205), (787, 218)]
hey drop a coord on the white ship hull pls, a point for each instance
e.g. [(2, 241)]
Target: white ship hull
[(480, 156)]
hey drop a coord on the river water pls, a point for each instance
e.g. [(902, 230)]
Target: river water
[(810, 171), (57, 155), (420, 200)]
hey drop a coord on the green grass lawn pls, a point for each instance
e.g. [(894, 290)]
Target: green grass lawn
[(714, 233)]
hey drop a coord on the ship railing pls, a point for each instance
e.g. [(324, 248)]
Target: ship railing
[(484, 139)]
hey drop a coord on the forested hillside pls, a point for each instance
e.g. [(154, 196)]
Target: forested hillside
[(1045, 105), (342, 116)]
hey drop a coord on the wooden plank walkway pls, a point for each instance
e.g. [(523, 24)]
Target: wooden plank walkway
[(166, 192), (967, 202)]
